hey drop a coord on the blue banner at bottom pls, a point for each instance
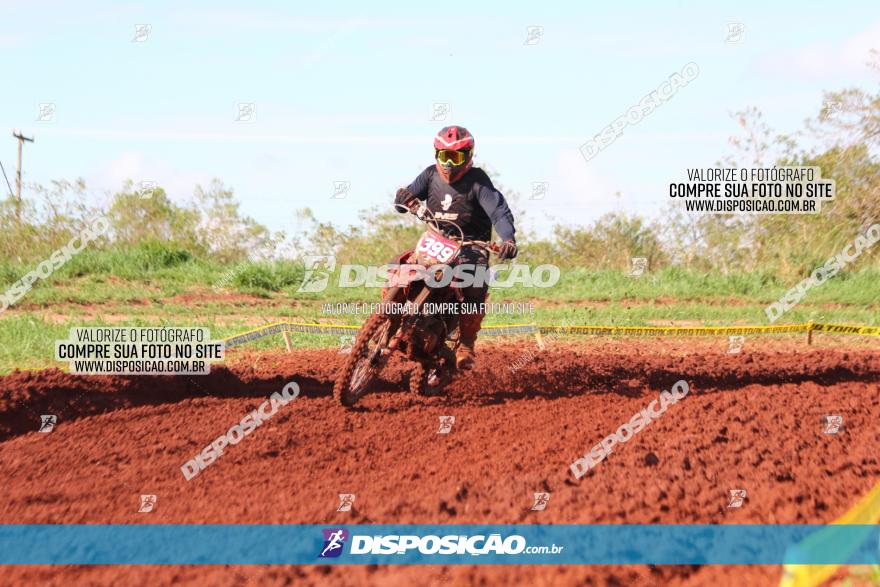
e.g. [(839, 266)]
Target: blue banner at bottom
[(161, 544)]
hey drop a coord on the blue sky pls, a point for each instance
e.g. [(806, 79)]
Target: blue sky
[(345, 93)]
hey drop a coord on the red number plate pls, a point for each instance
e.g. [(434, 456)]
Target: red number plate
[(435, 248)]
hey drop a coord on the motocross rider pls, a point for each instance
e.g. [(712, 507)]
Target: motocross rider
[(453, 189)]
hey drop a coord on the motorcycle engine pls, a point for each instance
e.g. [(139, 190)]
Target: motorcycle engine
[(431, 332)]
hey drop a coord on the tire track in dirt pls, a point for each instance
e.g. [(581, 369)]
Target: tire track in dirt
[(561, 372), (750, 421)]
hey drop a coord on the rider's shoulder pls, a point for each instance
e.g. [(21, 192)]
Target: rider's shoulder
[(478, 174), (479, 178)]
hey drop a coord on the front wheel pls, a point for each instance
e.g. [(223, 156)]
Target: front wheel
[(364, 362), (425, 381), (429, 378)]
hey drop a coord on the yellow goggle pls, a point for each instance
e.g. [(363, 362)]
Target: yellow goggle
[(457, 158)]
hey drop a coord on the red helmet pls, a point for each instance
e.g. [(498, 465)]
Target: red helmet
[(454, 152)]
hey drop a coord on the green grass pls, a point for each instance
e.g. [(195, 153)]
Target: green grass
[(136, 286), (672, 282), (155, 272), (27, 339)]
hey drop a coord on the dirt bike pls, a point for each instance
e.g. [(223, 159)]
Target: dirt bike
[(428, 338)]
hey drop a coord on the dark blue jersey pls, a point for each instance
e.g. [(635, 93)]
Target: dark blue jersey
[(472, 202)]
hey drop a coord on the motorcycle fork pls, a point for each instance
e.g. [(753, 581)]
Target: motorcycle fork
[(405, 328)]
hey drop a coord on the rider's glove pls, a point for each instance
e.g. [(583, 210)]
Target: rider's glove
[(404, 200), (508, 250)]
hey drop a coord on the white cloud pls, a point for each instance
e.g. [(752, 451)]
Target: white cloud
[(823, 59), (137, 166), (581, 185), (578, 194)]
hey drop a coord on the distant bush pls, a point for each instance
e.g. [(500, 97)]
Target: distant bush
[(44, 220), (268, 275), (146, 225), (126, 261), (148, 232), (154, 255)]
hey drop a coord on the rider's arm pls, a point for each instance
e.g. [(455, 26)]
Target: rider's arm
[(418, 188), (498, 211)]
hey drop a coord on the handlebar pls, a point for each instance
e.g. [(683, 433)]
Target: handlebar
[(414, 206), (407, 207), (490, 246)]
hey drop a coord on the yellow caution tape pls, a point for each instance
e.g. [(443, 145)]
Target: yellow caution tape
[(511, 329), (672, 330), (866, 511), (845, 329), (288, 327), (278, 327)]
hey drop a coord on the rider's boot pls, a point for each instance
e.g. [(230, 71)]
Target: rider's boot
[(468, 327)]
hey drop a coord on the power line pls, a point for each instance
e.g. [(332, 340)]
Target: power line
[(7, 179)]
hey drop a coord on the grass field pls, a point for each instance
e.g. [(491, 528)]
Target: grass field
[(152, 286)]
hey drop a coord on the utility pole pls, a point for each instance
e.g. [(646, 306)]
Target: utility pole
[(21, 139)]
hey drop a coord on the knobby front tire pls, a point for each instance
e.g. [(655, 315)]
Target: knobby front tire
[(363, 363)]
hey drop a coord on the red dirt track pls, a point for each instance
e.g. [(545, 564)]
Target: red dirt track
[(751, 420)]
